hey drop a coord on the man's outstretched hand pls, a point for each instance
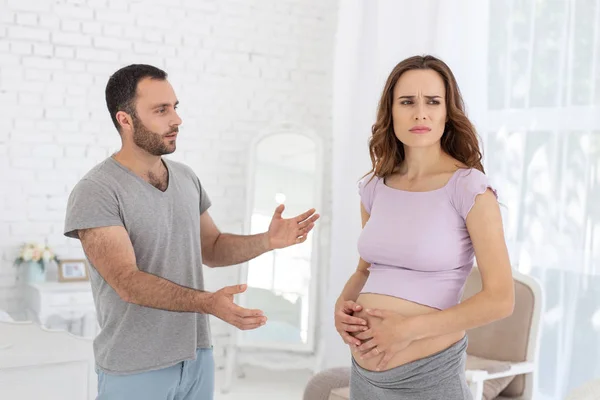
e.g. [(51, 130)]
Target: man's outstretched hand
[(221, 305), (284, 232)]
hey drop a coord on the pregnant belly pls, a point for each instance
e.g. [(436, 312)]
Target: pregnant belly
[(417, 349)]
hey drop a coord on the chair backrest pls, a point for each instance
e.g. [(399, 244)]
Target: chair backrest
[(515, 338)]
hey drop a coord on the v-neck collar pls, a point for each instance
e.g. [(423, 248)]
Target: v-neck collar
[(165, 163)]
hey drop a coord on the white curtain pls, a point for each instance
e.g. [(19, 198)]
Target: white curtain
[(529, 71)]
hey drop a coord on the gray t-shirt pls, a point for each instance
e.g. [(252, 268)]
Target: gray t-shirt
[(164, 228)]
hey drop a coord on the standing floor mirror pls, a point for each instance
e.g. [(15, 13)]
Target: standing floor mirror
[(285, 167)]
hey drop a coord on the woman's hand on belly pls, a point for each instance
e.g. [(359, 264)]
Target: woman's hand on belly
[(406, 314), (346, 324), (389, 333)]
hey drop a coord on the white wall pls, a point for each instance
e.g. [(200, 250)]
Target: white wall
[(238, 68)]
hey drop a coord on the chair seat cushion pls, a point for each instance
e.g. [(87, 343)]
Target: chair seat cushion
[(319, 387), (340, 394), (493, 387)]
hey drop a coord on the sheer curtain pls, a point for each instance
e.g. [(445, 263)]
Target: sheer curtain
[(529, 71), (542, 142)]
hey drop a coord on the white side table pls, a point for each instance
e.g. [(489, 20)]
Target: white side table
[(71, 301)]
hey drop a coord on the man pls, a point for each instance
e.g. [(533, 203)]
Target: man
[(144, 226)]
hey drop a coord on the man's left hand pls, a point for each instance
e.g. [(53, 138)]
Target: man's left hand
[(284, 232)]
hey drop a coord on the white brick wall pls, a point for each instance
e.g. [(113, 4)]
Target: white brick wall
[(238, 67)]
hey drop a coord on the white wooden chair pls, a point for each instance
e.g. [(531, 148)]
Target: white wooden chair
[(513, 341)]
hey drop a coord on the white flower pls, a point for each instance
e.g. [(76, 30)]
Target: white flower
[(27, 254), (47, 255), (35, 252)]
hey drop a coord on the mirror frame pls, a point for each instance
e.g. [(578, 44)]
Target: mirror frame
[(285, 128)]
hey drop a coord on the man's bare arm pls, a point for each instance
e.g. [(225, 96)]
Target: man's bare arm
[(110, 251), (222, 249)]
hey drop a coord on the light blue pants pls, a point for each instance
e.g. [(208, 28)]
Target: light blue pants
[(187, 380)]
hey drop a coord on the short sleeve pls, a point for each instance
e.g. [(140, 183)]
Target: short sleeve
[(205, 202), (91, 205), (366, 190), (468, 184)]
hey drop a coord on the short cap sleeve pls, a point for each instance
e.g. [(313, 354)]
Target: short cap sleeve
[(467, 185)]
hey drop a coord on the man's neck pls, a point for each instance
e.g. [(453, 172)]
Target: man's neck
[(139, 162)]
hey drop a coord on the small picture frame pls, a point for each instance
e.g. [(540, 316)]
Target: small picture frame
[(73, 270)]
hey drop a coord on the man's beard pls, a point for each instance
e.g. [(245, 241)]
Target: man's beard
[(149, 141)]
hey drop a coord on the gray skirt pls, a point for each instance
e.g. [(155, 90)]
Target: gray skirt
[(436, 377)]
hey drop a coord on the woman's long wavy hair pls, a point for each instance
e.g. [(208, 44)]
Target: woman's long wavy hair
[(459, 140)]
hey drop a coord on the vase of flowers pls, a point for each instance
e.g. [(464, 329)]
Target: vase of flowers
[(36, 257)]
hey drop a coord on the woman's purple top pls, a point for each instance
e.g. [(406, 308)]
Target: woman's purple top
[(417, 242)]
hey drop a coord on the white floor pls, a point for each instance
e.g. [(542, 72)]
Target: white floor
[(264, 384)]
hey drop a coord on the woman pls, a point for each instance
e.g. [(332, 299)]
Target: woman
[(427, 210)]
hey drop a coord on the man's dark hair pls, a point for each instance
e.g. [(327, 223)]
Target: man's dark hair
[(122, 85)]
